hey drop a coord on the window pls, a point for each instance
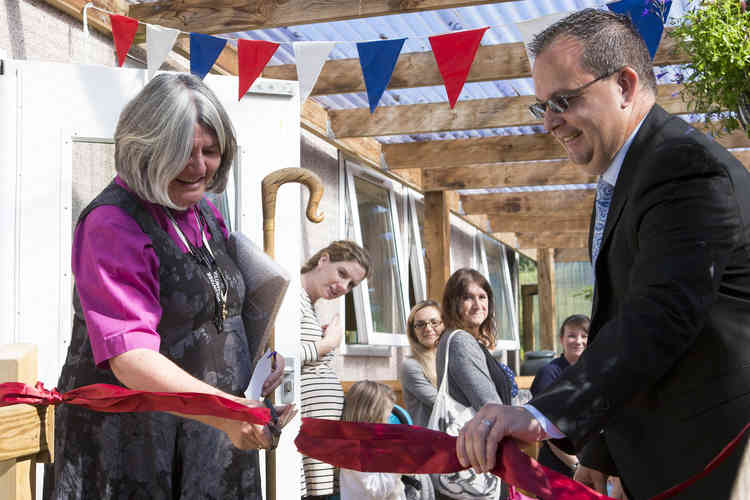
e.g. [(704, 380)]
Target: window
[(495, 267), (380, 302), (472, 248)]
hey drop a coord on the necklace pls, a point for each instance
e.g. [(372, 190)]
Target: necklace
[(204, 256)]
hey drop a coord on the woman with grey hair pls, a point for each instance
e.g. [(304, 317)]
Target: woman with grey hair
[(158, 306)]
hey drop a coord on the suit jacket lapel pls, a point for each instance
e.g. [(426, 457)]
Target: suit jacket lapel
[(640, 145)]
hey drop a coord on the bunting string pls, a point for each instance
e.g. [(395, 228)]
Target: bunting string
[(454, 51)]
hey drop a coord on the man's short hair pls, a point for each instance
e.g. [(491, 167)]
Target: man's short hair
[(610, 42)]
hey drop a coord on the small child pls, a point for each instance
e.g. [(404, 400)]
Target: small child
[(369, 401)]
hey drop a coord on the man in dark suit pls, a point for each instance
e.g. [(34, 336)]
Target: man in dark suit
[(665, 382)]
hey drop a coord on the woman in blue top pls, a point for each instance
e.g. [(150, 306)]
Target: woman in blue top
[(574, 335)]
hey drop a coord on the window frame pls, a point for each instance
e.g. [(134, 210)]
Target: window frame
[(362, 305), (509, 296)]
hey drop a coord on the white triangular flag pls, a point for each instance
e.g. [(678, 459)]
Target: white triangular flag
[(310, 57), (530, 28), (159, 42)]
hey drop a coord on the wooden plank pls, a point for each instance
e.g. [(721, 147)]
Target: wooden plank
[(545, 268), (554, 172), (572, 255), (465, 152), (227, 16), (437, 237), (502, 61), (554, 239), (467, 114), (497, 149), (25, 430), (18, 363), (574, 202), (538, 223), (527, 322)]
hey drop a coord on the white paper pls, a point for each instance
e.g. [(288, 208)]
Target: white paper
[(262, 370)]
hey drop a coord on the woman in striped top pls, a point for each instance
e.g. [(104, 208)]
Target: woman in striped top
[(330, 273)]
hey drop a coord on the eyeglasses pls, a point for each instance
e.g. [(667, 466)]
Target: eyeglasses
[(561, 103), (434, 323)]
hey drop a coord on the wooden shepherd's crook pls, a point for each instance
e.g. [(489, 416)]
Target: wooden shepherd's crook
[(269, 186)]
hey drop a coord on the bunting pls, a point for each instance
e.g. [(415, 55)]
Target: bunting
[(454, 54), (159, 43), (310, 57), (648, 16), (123, 34), (204, 50), (252, 57), (378, 59)]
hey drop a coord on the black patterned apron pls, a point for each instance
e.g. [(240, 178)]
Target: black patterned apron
[(155, 455)]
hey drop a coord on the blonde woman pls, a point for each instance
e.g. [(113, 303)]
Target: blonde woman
[(417, 373), (331, 273), (369, 401)]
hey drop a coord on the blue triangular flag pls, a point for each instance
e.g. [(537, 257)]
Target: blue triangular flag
[(648, 16), (204, 50), (378, 60)]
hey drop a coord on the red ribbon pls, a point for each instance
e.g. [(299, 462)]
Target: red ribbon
[(116, 399), (409, 449)]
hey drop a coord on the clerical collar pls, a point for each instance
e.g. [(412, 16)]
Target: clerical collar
[(613, 171)]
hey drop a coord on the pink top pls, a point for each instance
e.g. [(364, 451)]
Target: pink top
[(117, 275)]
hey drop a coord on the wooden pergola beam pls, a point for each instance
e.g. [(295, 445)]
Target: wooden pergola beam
[(463, 152), (418, 69), (506, 223), (227, 16), (472, 114), (573, 202), (571, 255), (505, 175), (497, 149), (554, 239)]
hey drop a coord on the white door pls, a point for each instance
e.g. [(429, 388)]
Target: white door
[(56, 153)]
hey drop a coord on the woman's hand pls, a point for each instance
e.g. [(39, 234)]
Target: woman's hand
[(332, 334), (246, 436), (275, 377)]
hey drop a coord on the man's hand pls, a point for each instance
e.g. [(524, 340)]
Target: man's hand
[(591, 478), (477, 442)]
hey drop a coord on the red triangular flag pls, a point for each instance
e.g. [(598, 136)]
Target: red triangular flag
[(123, 32), (252, 57), (454, 53)]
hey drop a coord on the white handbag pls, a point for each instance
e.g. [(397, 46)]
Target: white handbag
[(448, 415)]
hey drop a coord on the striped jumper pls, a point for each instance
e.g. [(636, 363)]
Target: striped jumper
[(322, 397)]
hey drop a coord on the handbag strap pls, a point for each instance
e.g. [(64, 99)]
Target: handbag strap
[(444, 384)]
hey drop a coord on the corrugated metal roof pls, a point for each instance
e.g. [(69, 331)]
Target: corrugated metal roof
[(417, 27)]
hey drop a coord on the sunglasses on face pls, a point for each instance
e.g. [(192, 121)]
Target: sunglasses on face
[(561, 103)]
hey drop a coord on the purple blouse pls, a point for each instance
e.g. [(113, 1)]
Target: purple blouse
[(117, 276)]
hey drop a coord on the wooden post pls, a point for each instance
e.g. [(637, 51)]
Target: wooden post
[(26, 432), (527, 304), (545, 269), (437, 240)]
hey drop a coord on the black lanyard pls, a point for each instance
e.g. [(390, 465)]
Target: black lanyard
[(206, 261)]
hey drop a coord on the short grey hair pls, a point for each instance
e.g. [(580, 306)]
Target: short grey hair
[(155, 132), (610, 42)]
